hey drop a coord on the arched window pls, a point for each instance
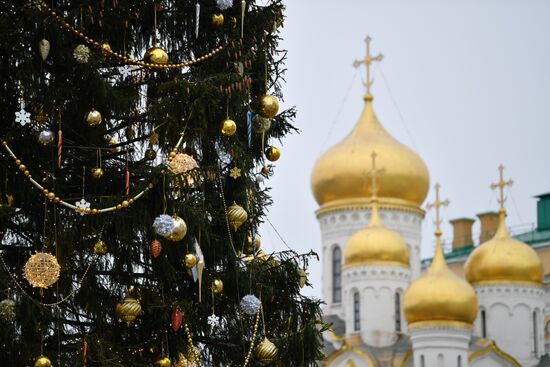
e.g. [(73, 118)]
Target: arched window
[(535, 334), (422, 361), (483, 324), (440, 361), (336, 275), (356, 312), (397, 312), (459, 361)]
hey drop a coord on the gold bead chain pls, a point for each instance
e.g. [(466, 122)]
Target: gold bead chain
[(106, 49), (51, 196)]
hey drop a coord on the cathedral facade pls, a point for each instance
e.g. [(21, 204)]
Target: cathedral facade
[(477, 306)]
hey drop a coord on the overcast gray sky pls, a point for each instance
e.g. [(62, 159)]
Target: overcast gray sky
[(470, 78)]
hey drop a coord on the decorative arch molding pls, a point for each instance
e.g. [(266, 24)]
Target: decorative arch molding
[(343, 354), (489, 351)]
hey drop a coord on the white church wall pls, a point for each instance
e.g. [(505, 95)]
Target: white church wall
[(509, 320), (338, 226)]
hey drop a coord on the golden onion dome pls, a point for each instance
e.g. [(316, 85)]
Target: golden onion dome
[(440, 296), (503, 259), (340, 172), (376, 245)]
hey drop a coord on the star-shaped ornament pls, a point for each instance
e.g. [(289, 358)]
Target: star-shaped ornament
[(235, 172), (82, 206), (125, 71), (22, 117)]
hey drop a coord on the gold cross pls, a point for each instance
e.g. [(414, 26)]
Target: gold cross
[(501, 184), (437, 204), (367, 61), (374, 175)]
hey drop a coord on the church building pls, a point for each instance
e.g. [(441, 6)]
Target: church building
[(479, 305)]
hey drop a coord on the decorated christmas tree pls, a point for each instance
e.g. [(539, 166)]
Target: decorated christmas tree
[(138, 138)]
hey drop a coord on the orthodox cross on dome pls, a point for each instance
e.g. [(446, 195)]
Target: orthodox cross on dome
[(374, 175), (437, 204), (501, 185), (367, 61)]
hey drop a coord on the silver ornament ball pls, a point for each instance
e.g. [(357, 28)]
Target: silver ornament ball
[(46, 137)]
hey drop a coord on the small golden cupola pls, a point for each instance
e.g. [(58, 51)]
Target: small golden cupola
[(375, 244), (503, 259), (440, 296), (339, 174)]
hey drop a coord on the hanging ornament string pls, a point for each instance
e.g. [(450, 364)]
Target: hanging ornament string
[(106, 49)]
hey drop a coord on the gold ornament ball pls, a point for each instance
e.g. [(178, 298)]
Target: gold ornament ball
[(163, 362), (130, 133), (41, 270), (190, 260), (150, 154), (128, 309), (100, 248), (248, 249), (106, 49), (179, 231), (266, 351), (217, 286), (268, 106), (217, 20), (236, 215), (43, 361), (272, 154), (97, 172), (228, 128), (93, 117), (156, 55)]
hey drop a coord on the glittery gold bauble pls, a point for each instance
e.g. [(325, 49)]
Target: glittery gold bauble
[(189, 261), (272, 154), (42, 270), (217, 20), (128, 309), (182, 163), (93, 118), (112, 141), (163, 362), (302, 278), (43, 361), (248, 249), (268, 106), (179, 231), (130, 133), (100, 248), (217, 286), (150, 154), (106, 49), (266, 351), (229, 127), (236, 215), (156, 55), (97, 172), (39, 115)]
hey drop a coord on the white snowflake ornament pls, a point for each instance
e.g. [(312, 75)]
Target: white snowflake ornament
[(22, 117), (82, 206), (125, 71), (224, 4), (213, 320)]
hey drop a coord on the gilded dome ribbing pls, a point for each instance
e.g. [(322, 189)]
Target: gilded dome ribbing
[(503, 259), (340, 173), (440, 295), (376, 245)]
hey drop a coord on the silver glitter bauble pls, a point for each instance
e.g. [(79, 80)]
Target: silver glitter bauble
[(46, 137)]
